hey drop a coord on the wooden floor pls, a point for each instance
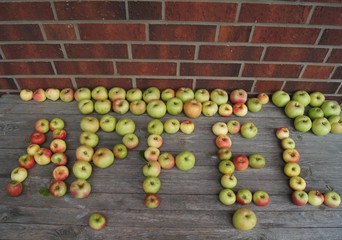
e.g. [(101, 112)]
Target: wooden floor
[(190, 208)]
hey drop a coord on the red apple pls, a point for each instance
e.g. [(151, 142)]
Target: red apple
[(241, 162), (37, 138), (223, 141), (27, 161), (14, 188), (192, 108)]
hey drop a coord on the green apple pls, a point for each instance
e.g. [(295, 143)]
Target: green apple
[(248, 130), (254, 105), (336, 124), (331, 108), (227, 196), (302, 123), (99, 93), (26, 94), (280, 98), (167, 94), (294, 109), (257, 160), (82, 169), (155, 126), (150, 94), (82, 94), (124, 126), (102, 106), (134, 94), (107, 123), (209, 108), (321, 126), (97, 221), (244, 219), (156, 109), (219, 96), (151, 184), (117, 93), (52, 94), (185, 160), (89, 138), (202, 95), (174, 106), (103, 157), (315, 112), (90, 124), (185, 94), (86, 106), (171, 125), (316, 99), (302, 96)]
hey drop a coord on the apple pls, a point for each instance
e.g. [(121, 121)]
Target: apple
[(219, 96), (171, 125), (249, 130), (166, 160), (316, 198), (297, 183), (209, 108), (89, 138), (58, 146), (244, 196), (321, 126), (150, 94), (59, 159), (67, 94), (84, 152), (244, 219), (228, 181), (42, 125), (19, 174), (120, 151), (97, 221), (107, 123), (225, 110), (223, 141), (241, 162), (316, 99), (192, 108), (26, 161), (14, 188), (288, 143), (151, 184), (125, 126), (219, 128), (120, 106), (43, 156), (263, 97), (302, 96), (86, 106), (80, 188), (185, 160), (32, 149), (202, 95), (103, 157), (224, 154), (155, 126), (134, 94), (238, 96), (82, 169), (282, 133), (261, 198), (152, 200), (302, 123), (58, 188), (227, 196), (56, 123), (99, 93), (37, 138), (292, 169), (332, 199), (59, 134), (226, 167), (154, 140), (82, 94), (280, 98), (254, 105), (130, 140), (336, 124), (151, 169), (103, 106), (116, 93), (151, 153), (233, 126), (174, 106), (52, 94), (185, 94), (60, 173), (331, 108), (315, 112), (294, 109), (187, 126), (137, 107), (240, 109), (256, 160), (299, 197), (291, 155), (39, 95), (167, 94), (26, 94), (156, 109)]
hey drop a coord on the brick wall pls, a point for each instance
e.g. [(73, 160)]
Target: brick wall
[(261, 46)]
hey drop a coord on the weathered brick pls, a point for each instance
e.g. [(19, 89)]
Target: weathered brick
[(35, 83), (331, 37), (84, 67), (20, 32), (200, 11), (96, 50), (267, 86), (146, 68), (139, 10), (90, 10), (324, 87), (174, 32), (60, 31), (30, 51), (13, 11), (325, 15), (295, 54), (272, 70), (158, 51), (317, 72), (25, 68), (144, 83), (234, 33), (108, 83), (210, 52), (107, 31), (228, 85), (7, 83), (209, 69), (337, 73), (335, 56)]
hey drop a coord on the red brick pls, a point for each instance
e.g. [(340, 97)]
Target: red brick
[(274, 13), (107, 31), (317, 72), (324, 15), (337, 73), (30, 51), (84, 67), (295, 54), (96, 50), (91, 10), (200, 11), (272, 70), (20, 32), (335, 56), (60, 31), (172, 32), (286, 35), (209, 69), (267, 86), (331, 37), (7, 83), (35, 83), (108, 83), (139, 10), (25, 68), (144, 83), (334, 98), (13, 11), (208, 52), (156, 51), (324, 87), (146, 68), (228, 85), (234, 33)]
